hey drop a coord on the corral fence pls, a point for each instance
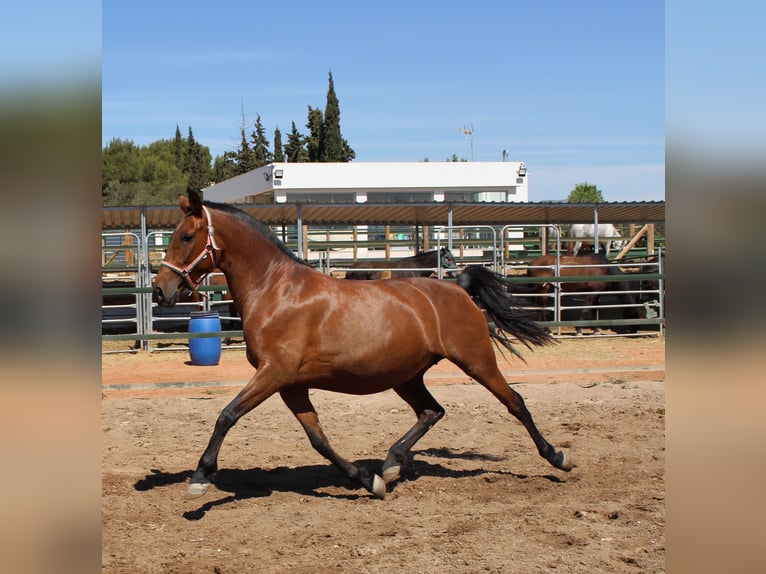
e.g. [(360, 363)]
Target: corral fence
[(636, 290), (639, 292), (128, 313), (131, 259)]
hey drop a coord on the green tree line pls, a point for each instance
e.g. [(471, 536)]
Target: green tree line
[(157, 173)]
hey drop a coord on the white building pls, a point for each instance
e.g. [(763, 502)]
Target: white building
[(375, 182)]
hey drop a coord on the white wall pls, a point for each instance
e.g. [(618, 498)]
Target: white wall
[(499, 181)]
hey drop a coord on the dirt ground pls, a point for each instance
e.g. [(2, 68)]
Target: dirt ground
[(476, 498)]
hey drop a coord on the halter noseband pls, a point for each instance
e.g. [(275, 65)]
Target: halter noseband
[(208, 250)]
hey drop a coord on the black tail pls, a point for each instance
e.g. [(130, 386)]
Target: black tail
[(488, 291), (625, 297)]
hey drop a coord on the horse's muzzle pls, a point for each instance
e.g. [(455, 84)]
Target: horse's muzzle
[(162, 300)]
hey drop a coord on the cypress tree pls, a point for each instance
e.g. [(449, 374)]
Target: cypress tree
[(314, 138), (331, 142), (179, 148), (279, 155), (324, 142)]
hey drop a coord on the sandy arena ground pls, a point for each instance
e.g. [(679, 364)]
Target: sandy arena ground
[(477, 497)]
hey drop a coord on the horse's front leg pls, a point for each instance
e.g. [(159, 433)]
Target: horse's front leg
[(258, 389), (297, 400)]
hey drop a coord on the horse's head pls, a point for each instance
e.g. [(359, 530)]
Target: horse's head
[(191, 253), (447, 259)]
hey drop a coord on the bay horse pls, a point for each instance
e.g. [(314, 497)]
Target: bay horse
[(425, 260), (585, 265), (307, 330)]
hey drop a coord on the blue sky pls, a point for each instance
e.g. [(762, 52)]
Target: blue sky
[(573, 89)]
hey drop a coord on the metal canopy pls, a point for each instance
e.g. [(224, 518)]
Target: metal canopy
[(425, 213)]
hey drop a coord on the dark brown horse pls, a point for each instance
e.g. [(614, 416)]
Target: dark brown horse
[(425, 262), (306, 330), (585, 266)]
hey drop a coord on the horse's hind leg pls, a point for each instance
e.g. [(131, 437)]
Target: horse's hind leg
[(490, 377), (428, 412), (590, 311), (297, 400)]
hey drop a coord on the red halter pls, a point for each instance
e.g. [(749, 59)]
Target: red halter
[(208, 250)]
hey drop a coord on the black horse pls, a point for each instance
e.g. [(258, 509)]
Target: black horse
[(425, 262)]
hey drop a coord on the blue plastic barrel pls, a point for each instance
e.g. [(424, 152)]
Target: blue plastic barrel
[(205, 350)]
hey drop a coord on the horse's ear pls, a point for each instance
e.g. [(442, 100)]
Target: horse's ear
[(191, 205), (196, 202)]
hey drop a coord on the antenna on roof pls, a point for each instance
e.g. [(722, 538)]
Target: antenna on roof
[(468, 133)]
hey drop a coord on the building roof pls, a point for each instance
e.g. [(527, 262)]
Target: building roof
[(369, 177), (423, 213), (319, 181)]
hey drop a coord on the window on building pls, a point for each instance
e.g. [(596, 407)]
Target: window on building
[(321, 197), (398, 196), (458, 196)]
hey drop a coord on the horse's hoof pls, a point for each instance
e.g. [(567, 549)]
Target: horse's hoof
[(566, 463), (197, 489), (391, 473), (378, 487)]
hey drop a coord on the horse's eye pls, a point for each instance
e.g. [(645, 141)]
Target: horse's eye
[(187, 237)]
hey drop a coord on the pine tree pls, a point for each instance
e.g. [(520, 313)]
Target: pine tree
[(279, 155), (197, 164), (261, 153), (243, 158), (348, 153), (295, 150), (224, 167)]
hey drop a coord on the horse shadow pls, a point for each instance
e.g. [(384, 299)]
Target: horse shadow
[(312, 480), (417, 468)]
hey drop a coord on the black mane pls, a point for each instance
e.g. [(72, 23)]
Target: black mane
[(261, 228)]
